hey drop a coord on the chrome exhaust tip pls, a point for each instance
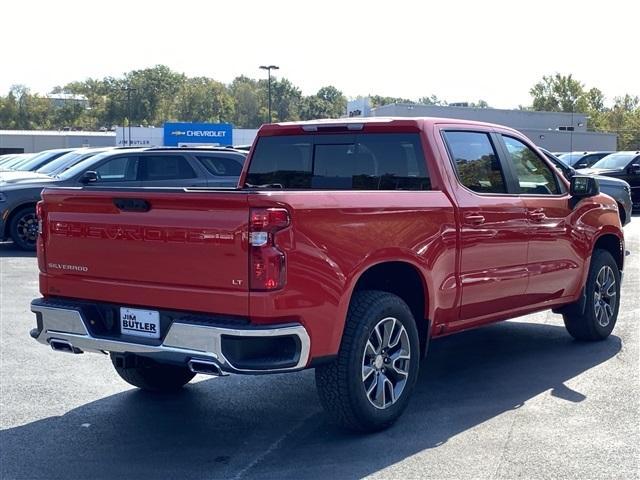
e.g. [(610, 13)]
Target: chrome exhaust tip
[(63, 346), (205, 367)]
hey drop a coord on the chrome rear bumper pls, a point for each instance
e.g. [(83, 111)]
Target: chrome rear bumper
[(183, 341)]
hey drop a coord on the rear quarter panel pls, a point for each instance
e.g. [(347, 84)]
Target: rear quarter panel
[(335, 236)]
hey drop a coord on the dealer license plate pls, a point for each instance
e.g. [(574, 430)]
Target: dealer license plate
[(141, 323)]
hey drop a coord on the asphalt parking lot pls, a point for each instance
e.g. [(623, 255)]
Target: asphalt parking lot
[(519, 399)]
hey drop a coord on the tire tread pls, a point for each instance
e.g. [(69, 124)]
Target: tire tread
[(582, 325), (332, 378)]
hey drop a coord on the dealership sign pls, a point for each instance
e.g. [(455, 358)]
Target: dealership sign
[(139, 137), (177, 134)]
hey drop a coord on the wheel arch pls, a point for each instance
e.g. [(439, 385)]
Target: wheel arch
[(613, 244), (404, 279)]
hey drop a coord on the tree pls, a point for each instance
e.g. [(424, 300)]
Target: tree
[(624, 120), (285, 100), (432, 100), (329, 102), (557, 93), (378, 101), (481, 104), (152, 93), (565, 94), (336, 102), (202, 99), (8, 111), (312, 107), (248, 112)]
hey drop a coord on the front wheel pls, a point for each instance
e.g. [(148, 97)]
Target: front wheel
[(151, 376), (368, 385), (24, 228), (602, 301)]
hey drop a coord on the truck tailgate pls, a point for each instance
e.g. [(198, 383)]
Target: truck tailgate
[(171, 249)]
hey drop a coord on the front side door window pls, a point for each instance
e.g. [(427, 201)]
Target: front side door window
[(533, 175)]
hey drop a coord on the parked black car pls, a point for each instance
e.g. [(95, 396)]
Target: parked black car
[(582, 159), (622, 165), (616, 188), (146, 167)]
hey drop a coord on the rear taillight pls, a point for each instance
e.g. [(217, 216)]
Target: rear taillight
[(267, 262), (40, 215)]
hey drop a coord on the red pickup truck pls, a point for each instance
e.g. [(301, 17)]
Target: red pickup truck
[(347, 246)]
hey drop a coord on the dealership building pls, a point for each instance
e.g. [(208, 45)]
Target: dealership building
[(29, 141), (555, 131)]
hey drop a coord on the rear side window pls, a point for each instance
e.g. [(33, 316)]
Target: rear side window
[(222, 166), (340, 162), (119, 169), (476, 161), (166, 167)]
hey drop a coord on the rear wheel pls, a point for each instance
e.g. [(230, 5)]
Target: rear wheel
[(602, 292), (151, 376), (368, 385), (24, 228)]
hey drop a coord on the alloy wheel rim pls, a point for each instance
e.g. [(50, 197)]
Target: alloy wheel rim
[(385, 363), (604, 296), (27, 228)]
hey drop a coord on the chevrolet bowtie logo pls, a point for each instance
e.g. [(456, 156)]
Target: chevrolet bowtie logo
[(178, 133)]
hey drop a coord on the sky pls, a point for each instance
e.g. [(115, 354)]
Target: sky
[(458, 50)]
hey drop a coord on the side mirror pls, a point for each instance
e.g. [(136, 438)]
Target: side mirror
[(583, 186), (634, 169), (582, 165), (89, 177)]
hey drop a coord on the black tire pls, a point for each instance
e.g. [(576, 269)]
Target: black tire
[(602, 303), (23, 228), (151, 376), (341, 384)]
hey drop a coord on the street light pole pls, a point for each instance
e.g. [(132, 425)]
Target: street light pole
[(129, 110), (268, 68), (128, 90)]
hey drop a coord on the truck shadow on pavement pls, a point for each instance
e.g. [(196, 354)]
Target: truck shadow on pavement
[(273, 426)]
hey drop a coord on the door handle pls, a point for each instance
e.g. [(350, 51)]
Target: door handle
[(537, 214), (474, 218), (132, 204)]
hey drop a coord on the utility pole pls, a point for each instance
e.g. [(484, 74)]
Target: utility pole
[(268, 68)]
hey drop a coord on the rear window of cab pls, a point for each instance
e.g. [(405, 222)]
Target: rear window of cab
[(361, 161)]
